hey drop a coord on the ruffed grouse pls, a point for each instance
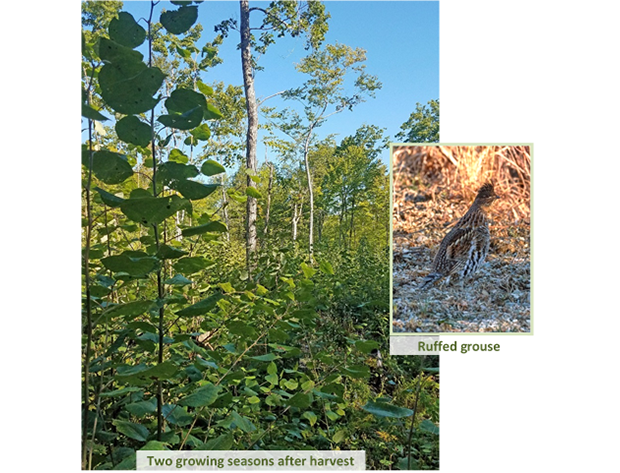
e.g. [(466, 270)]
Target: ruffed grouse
[(465, 247)]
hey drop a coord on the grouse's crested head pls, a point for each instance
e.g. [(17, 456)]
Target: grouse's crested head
[(486, 195)]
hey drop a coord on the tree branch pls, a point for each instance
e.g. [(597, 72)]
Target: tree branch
[(270, 15), (269, 97)]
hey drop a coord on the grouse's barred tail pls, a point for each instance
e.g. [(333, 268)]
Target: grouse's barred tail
[(429, 280)]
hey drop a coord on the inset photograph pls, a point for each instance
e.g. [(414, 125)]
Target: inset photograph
[(461, 238)]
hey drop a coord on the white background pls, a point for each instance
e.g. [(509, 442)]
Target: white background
[(544, 72)]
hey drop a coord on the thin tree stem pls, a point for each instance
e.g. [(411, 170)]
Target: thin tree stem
[(252, 131), (415, 412), (310, 195), (89, 315), (160, 288)]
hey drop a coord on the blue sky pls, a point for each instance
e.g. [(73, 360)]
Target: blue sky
[(402, 43)]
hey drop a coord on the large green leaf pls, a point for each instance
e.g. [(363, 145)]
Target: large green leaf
[(253, 176), (142, 375), (110, 200), (154, 445), (113, 52), (190, 140), (202, 307), (326, 267), (226, 287), (242, 422), (272, 378), (308, 271), (142, 408), (278, 335), (357, 371), (234, 195), (183, 100), (153, 337), (301, 400), (169, 252), (384, 409), (211, 168), (131, 263), (140, 193), (121, 392), (266, 357), (174, 171), (192, 264), (203, 396), (182, 121), (129, 87), (273, 400), (207, 227), (289, 384), (252, 192), (161, 371), (109, 167), (311, 416), (124, 30), (429, 426), (366, 346), (178, 280), (179, 21), (204, 88), (202, 132), (131, 430), (176, 415), (332, 416), (339, 436), (185, 53), (123, 371), (128, 462), (153, 210), (238, 327), (130, 309), (194, 190), (332, 391), (405, 463), (131, 129), (212, 113), (98, 291), (177, 156), (91, 113), (223, 442)]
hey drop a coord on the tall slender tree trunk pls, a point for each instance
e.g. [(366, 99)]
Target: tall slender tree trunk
[(351, 228), (297, 213), (310, 196), (252, 134), (269, 190), (225, 207)]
